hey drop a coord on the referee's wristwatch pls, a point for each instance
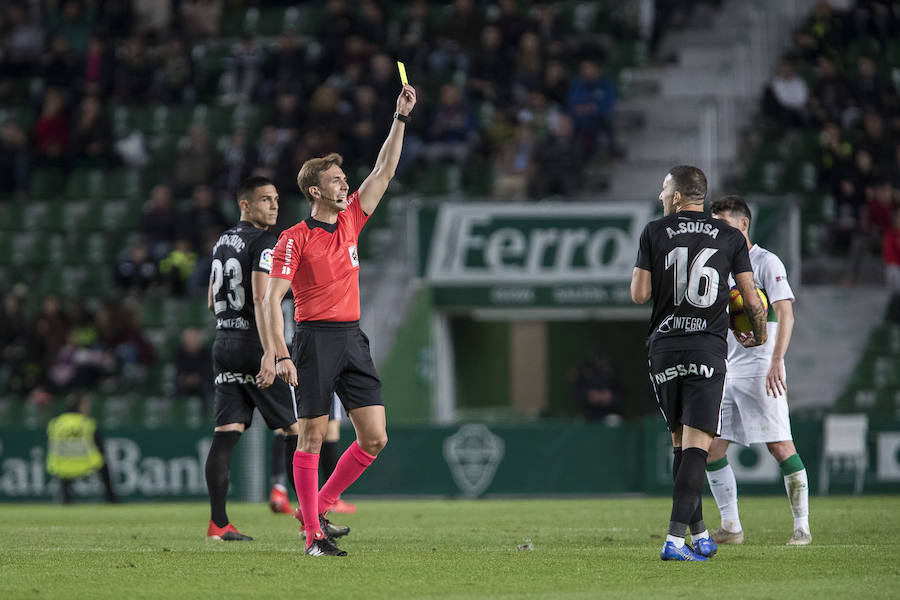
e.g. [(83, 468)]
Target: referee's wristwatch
[(401, 118)]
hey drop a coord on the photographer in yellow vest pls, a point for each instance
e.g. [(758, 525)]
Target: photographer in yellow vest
[(75, 448)]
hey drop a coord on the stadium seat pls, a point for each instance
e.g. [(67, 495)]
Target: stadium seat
[(47, 183), (86, 183), (844, 442)]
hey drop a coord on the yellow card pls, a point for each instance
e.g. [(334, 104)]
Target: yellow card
[(402, 70)]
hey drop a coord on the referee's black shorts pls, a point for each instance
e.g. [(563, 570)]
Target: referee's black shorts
[(688, 385), (333, 357), (236, 358)]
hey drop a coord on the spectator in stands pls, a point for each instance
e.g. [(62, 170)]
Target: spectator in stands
[(235, 162), (594, 388), (97, 69), (51, 131), (372, 22), (21, 350), (159, 223), (529, 66), (59, 65), (152, 16), (201, 18), (129, 345), (92, 136), (267, 154), (136, 271), (489, 73), (591, 101), (835, 153), (881, 204), (416, 33), (195, 162), (74, 23), (202, 218), (285, 67), (26, 38), (367, 130), (174, 76), (327, 116), (785, 97), (451, 132), (830, 93), (510, 23), (513, 164), (243, 71), (15, 161), (133, 72), (876, 141), (194, 373), (868, 88), (178, 265), (288, 118), (559, 164), (890, 252), (555, 85)]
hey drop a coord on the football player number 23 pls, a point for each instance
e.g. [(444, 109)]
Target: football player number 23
[(699, 283), (232, 274)]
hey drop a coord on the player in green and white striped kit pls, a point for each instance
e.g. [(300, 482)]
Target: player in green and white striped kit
[(754, 407)]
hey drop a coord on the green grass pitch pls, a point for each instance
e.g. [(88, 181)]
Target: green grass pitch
[(446, 549)]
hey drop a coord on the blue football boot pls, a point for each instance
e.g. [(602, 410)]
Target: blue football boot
[(705, 547), (671, 552)]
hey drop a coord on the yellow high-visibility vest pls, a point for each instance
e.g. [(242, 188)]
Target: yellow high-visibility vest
[(71, 449)]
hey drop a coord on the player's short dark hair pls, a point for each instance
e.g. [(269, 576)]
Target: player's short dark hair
[(690, 182), (733, 204), (312, 169), (249, 185)]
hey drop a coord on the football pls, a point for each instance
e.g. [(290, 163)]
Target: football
[(737, 320)]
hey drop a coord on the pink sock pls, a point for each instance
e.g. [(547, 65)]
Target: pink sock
[(306, 480), (350, 466)]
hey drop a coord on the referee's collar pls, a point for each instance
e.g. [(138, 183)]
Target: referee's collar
[(313, 223)]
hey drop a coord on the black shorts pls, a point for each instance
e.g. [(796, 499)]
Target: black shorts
[(333, 357), (689, 386), (236, 360)]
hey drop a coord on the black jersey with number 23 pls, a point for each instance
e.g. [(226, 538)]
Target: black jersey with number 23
[(239, 251), (689, 256)]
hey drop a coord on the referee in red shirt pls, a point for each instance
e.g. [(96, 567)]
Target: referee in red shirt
[(317, 258)]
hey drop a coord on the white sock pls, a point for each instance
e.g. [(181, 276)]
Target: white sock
[(699, 536), (797, 487), (678, 541), (724, 489)]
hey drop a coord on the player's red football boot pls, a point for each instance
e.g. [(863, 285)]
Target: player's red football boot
[(345, 508), (226, 534), (278, 500)]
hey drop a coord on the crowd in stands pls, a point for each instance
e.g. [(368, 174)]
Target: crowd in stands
[(497, 81), (842, 81), (69, 347)]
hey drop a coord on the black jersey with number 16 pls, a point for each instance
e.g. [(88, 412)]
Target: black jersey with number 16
[(239, 251), (689, 256)]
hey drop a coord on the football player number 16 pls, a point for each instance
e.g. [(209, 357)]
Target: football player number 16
[(699, 284), (232, 272)]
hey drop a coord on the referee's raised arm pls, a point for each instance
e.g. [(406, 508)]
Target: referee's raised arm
[(372, 189)]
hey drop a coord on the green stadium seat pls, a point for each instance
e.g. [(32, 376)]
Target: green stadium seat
[(77, 215), (32, 248), (124, 183), (86, 183), (47, 183), (40, 215), (12, 216)]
